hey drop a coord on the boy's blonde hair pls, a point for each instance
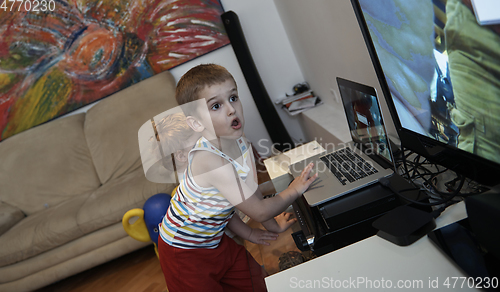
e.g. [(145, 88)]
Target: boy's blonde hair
[(173, 132), (197, 78)]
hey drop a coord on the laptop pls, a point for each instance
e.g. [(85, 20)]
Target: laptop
[(355, 164)]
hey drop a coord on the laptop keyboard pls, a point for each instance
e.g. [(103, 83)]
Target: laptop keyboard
[(348, 166)]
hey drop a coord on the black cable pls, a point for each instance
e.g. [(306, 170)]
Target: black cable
[(431, 173), (416, 167), (416, 174), (404, 164), (456, 192), (387, 183), (416, 160), (418, 171)]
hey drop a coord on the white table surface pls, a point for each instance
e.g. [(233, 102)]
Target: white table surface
[(375, 262)]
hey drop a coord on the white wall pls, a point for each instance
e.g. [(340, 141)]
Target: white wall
[(327, 42), (271, 52)]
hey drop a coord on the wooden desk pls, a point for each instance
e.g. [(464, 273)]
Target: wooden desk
[(374, 259)]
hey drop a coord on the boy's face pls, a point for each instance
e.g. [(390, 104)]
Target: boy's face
[(225, 108)]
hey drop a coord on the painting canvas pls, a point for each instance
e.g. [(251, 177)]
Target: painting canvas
[(57, 56)]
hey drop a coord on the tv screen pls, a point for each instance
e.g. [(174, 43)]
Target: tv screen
[(440, 73)]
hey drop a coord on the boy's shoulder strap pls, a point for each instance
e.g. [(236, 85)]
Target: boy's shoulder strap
[(204, 144)]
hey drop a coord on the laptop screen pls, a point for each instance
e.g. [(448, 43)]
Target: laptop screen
[(364, 117)]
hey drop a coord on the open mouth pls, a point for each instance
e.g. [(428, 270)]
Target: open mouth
[(236, 124)]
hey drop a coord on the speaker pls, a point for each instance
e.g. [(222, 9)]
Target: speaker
[(281, 139)]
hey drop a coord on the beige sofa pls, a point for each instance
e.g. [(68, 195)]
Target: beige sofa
[(65, 185)]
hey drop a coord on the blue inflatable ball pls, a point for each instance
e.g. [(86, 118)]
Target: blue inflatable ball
[(154, 210)]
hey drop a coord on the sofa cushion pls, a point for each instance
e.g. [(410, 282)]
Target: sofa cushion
[(61, 254), (108, 204), (77, 216), (41, 231), (45, 165), (111, 126), (9, 216)]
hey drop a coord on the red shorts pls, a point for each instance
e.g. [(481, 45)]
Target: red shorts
[(229, 267)]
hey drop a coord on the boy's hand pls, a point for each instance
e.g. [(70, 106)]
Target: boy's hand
[(259, 236), (302, 183), (284, 221)]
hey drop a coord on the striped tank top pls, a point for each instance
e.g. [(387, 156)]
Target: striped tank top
[(197, 216)]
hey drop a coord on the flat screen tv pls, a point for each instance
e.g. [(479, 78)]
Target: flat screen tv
[(439, 71)]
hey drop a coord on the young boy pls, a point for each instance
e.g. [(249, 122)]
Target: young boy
[(195, 255)]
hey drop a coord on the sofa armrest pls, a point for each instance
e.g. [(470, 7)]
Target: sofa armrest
[(9, 216)]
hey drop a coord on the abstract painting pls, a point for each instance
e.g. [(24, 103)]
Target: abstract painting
[(57, 56)]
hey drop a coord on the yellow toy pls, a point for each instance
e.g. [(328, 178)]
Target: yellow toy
[(146, 227)]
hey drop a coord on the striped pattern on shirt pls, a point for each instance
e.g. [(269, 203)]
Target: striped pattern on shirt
[(197, 216)]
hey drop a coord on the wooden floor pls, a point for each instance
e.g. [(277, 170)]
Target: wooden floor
[(140, 271)]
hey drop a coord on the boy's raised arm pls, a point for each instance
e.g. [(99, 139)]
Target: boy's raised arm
[(249, 199)]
